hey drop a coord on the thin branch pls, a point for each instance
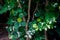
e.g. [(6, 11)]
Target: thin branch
[(29, 10), (20, 7), (46, 4), (35, 11), (29, 4), (45, 35)]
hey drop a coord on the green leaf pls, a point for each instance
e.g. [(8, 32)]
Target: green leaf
[(21, 15), (15, 13), (21, 29), (25, 14), (13, 35), (4, 9), (40, 26), (0, 6), (23, 23), (19, 10), (10, 21), (37, 14), (22, 39), (10, 6), (16, 25)]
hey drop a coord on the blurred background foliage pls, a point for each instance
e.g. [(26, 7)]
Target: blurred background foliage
[(46, 17)]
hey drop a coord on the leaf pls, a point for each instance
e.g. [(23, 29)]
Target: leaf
[(12, 37), (10, 21), (22, 39), (25, 14), (40, 26), (16, 25), (10, 6), (23, 23), (38, 19), (37, 14), (15, 13), (19, 19), (49, 16), (0, 6), (4, 9), (21, 29), (19, 10), (21, 15)]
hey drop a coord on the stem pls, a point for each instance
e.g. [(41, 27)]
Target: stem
[(46, 11), (45, 35), (28, 15), (20, 7), (35, 11), (46, 3), (29, 4), (19, 4)]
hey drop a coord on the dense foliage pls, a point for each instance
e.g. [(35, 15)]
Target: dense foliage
[(30, 18)]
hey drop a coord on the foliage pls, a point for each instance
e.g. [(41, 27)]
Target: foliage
[(44, 18)]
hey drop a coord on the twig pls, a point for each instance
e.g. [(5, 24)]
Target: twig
[(29, 10), (20, 7), (46, 3), (29, 4), (45, 35), (35, 11), (45, 30)]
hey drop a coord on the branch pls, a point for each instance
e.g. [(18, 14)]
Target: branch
[(35, 11), (46, 11), (20, 7), (29, 4), (45, 35), (29, 10), (46, 3)]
